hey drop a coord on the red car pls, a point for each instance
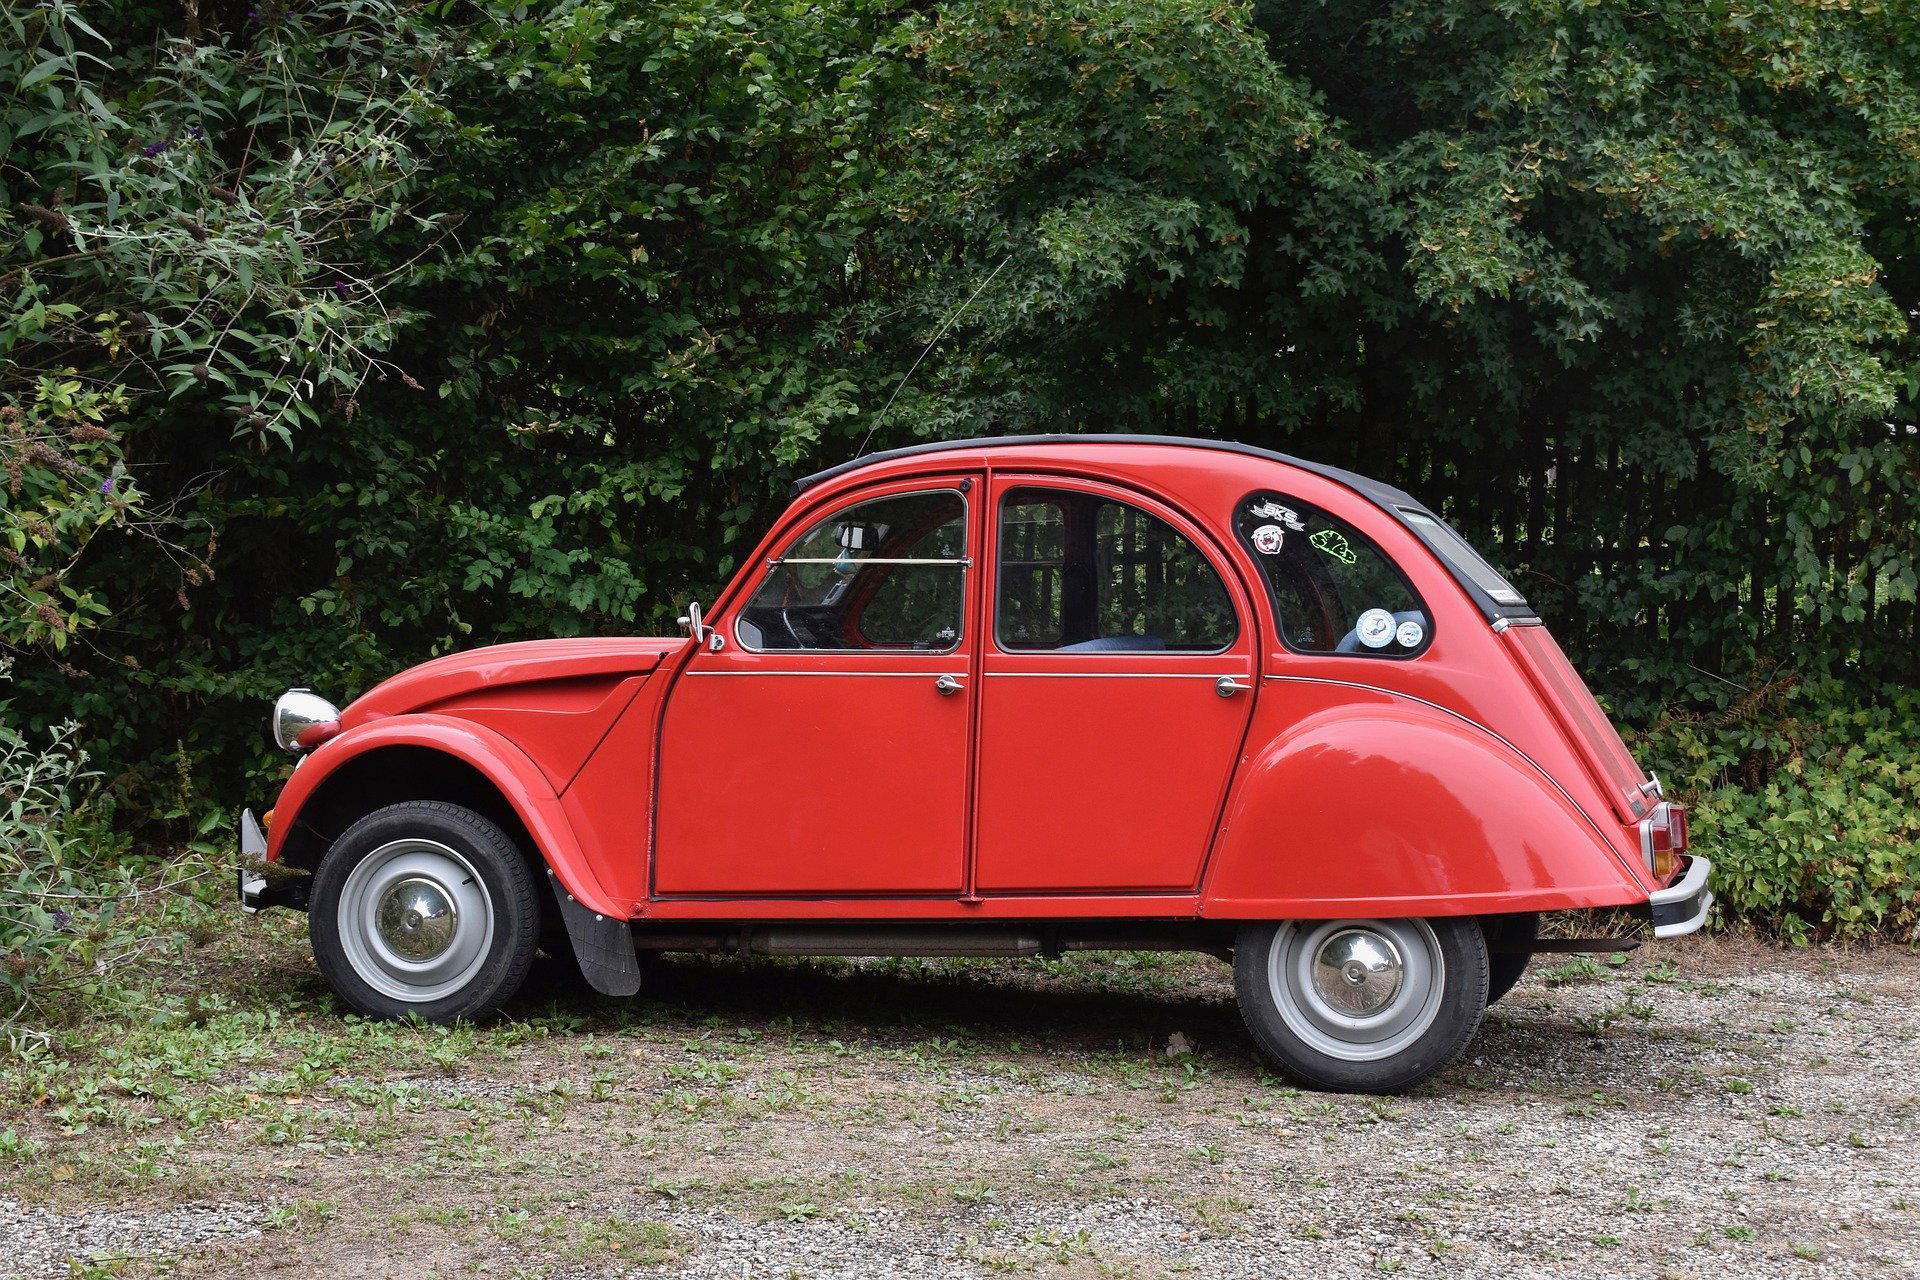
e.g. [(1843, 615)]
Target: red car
[(1008, 697)]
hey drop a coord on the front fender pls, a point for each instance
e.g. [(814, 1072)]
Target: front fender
[(509, 769), (1393, 808)]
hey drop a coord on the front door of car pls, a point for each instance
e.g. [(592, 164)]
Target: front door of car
[(824, 749), (1118, 673)]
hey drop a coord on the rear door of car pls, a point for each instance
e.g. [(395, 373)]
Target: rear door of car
[(1118, 671)]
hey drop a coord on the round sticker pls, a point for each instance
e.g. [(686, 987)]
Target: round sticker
[(1410, 634), (1375, 628), (1267, 539)]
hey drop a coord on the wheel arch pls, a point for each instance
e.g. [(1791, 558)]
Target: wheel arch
[(424, 758)]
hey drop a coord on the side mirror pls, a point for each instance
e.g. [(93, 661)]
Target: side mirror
[(695, 627), (702, 633)]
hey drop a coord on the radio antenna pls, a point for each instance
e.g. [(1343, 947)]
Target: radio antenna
[(947, 324)]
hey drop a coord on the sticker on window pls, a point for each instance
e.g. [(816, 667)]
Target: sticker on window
[(1274, 511), (1410, 634), (1334, 544), (1268, 539), (1375, 628)]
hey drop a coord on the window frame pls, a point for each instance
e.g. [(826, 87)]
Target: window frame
[(1273, 598), (1194, 535), (960, 488)]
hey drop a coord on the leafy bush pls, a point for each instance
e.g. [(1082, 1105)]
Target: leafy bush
[(1809, 804), (55, 916)]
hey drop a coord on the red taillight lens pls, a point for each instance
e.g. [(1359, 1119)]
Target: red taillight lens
[(1666, 836)]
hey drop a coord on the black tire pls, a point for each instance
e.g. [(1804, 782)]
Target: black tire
[(1430, 979), (485, 918), (1509, 951)]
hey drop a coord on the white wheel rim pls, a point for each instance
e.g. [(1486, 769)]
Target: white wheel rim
[(1357, 990), (415, 920)]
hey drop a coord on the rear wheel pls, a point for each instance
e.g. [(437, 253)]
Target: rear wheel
[(424, 909), (1362, 1006)]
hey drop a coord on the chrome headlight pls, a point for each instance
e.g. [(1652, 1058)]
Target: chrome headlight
[(298, 711)]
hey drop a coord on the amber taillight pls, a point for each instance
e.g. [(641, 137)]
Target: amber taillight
[(1582, 715)]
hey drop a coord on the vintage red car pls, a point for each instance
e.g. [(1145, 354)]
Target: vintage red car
[(1008, 697)]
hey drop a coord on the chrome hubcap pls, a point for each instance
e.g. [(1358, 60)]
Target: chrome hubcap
[(416, 920), (1358, 971), (1357, 990)]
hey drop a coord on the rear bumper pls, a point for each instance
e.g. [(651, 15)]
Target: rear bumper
[(260, 883), (1682, 907)]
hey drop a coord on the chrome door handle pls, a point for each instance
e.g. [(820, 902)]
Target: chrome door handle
[(1227, 686), (948, 685)]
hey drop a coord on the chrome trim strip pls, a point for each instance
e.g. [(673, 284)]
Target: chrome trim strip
[(1108, 675), (903, 675), (856, 561), (1466, 720)]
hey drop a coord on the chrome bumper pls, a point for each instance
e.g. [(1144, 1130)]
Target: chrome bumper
[(261, 883), (1682, 907)]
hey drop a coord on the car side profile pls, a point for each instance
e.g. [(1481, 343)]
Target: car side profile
[(1008, 697)]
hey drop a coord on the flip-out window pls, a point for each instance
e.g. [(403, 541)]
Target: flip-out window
[(1334, 591), (885, 574)]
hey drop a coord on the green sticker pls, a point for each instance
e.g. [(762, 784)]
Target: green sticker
[(1335, 545)]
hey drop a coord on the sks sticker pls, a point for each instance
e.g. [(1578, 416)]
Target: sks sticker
[(1268, 539), (1274, 511), (1335, 545)]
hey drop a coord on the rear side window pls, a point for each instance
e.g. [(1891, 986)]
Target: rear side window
[(1083, 573), (1334, 591)]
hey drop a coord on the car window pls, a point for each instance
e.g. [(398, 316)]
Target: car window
[(885, 574), (1334, 591), (1082, 572)]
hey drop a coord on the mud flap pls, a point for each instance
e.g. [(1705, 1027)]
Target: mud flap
[(602, 946)]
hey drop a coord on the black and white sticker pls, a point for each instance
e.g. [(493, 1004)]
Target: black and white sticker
[(1410, 634), (1375, 628), (1268, 539), (1274, 511)]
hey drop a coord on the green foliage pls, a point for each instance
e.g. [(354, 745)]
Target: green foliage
[(175, 216), (334, 338), (61, 895), (1807, 804)]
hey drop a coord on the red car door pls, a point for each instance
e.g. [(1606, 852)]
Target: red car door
[(824, 749), (1117, 676)]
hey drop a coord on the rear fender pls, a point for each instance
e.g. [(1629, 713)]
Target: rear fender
[(517, 778), (1389, 807)]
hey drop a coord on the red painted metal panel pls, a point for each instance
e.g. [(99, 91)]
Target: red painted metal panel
[(804, 771), (505, 765), (556, 722), (1360, 801), (1104, 772)]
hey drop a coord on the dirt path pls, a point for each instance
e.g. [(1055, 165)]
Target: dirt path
[(1713, 1109)]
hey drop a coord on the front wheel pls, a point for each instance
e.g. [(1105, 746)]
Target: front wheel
[(424, 909), (1361, 1006)]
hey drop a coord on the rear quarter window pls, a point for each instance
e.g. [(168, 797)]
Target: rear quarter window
[(1334, 590)]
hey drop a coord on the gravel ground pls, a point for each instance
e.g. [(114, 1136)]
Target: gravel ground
[(1718, 1109)]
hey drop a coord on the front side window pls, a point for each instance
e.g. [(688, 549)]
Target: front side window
[(1333, 589), (885, 574), (1079, 572)]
